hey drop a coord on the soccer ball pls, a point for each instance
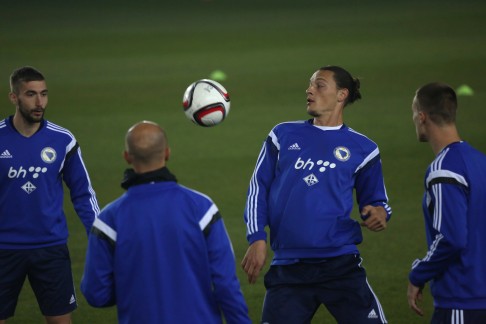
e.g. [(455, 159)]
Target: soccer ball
[(206, 103)]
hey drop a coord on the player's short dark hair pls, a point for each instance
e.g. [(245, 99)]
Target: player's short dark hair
[(344, 79), (24, 74), (439, 101)]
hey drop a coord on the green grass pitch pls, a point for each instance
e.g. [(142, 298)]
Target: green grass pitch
[(111, 63)]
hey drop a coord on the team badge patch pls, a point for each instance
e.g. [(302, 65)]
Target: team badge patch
[(48, 155), (342, 153), (311, 180)]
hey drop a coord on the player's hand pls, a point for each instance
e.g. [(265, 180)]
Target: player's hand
[(375, 218), (254, 260), (414, 294)]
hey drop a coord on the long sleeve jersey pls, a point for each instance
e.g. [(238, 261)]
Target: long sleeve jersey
[(161, 253), (302, 189), (32, 171), (454, 208)]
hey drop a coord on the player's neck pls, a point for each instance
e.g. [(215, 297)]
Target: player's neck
[(332, 119), (443, 137), (141, 168), (25, 127)]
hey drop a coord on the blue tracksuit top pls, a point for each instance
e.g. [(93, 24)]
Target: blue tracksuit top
[(454, 207), (161, 253), (32, 171), (302, 189)]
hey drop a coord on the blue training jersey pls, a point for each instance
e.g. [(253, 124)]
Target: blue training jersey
[(32, 171), (302, 188), (454, 207), (161, 253)]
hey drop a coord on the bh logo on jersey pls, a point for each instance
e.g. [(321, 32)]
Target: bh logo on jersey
[(341, 153), (48, 155)]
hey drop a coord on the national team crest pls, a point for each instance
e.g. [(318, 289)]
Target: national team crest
[(342, 153), (48, 155)]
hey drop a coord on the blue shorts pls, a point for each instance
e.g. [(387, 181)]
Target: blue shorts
[(458, 316), (295, 292), (50, 276)]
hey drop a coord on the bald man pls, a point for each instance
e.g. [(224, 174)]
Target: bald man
[(160, 252)]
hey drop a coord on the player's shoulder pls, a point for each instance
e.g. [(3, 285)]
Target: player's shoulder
[(113, 208), (450, 162), (457, 155), (451, 155), (60, 130), (3, 125), (6, 125), (354, 133), (194, 194), (359, 139), (289, 126)]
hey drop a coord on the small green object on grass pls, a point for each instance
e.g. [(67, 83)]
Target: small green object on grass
[(464, 90), (217, 75)]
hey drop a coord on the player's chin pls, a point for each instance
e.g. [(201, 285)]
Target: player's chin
[(37, 114), (312, 112)]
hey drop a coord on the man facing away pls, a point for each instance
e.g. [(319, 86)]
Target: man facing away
[(160, 252), (302, 189), (36, 157), (454, 208)]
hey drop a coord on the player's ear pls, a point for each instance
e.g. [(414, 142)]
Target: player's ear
[(167, 153), (422, 117), (127, 157), (13, 98), (342, 94)]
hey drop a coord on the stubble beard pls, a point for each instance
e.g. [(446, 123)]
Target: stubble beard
[(313, 113), (422, 138), (28, 116)]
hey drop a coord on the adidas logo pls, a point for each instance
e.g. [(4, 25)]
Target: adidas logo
[(6, 155), (372, 314), (73, 300), (294, 146)]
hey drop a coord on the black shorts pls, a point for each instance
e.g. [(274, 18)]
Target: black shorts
[(458, 316), (49, 273), (295, 292)]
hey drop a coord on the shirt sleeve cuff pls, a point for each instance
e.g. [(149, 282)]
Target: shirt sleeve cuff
[(262, 235)]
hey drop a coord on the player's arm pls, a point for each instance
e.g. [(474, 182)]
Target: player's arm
[(83, 197), (223, 271), (374, 218), (414, 295), (97, 284), (371, 193), (256, 208), (254, 260), (448, 206)]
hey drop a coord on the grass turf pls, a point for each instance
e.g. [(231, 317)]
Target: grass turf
[(110, 64)]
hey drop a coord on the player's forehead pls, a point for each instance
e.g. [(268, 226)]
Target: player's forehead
[(37, 86), (323, 75)]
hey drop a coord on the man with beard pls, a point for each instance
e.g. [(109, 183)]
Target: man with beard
[(36, 156)]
